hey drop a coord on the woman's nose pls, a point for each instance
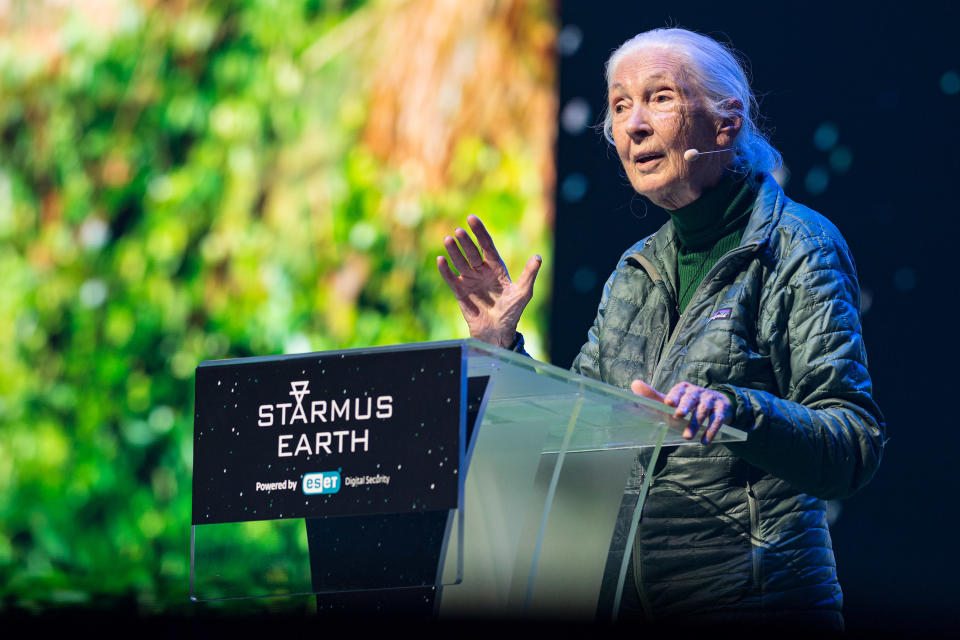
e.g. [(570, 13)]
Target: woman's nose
[(638, 124)]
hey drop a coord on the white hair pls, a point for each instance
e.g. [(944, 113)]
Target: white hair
[(718, 75)]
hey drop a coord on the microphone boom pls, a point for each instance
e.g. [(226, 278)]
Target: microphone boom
[(691, 155)]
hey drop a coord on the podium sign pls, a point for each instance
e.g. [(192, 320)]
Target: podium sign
[(316, 435), (360, 468)]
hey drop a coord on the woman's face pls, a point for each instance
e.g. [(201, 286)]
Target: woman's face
[(656, 118)]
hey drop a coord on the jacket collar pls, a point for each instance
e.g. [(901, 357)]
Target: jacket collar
[(766, 213), (660, 248)]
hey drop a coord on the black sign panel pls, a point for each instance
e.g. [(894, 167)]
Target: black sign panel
[(328, 434)]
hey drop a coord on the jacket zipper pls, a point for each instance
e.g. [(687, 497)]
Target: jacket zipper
[(676, 328), (657, 280), (637, 550), (754, 525), (638, 579), (755, 547)]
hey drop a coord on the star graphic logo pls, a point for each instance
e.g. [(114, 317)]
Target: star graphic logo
[(298, 390)]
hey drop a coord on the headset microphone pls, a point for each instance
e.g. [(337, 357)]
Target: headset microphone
[(692, 154)]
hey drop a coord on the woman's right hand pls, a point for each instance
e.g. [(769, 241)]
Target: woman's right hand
[(490, 302)]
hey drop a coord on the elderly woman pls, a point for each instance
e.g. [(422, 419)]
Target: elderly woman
[(743, 308)]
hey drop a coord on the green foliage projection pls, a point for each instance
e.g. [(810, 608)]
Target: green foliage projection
[(194, 187)]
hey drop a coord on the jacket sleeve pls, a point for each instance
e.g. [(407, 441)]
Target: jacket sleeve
[(825, 436)]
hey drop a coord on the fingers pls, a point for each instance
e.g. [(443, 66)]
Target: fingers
[(688, 401), (465, 255), (703, 412), (483, 237), (446, 273), (529, 274), (721, 414), (707, 408), (453, 250), (469, 249), (676, 394), (641, 388)]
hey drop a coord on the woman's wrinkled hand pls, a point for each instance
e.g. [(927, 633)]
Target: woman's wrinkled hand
[(710, 409), (490, 302)]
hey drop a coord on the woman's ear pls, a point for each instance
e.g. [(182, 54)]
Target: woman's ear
[(730, 123)]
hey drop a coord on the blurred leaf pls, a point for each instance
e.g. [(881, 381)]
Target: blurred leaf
[(199, 180)]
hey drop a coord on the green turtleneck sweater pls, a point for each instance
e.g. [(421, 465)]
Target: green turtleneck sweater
[(709, 227)]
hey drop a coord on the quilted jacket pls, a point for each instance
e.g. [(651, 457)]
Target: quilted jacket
[(740, 529)]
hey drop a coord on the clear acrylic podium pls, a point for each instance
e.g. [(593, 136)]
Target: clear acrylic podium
[(555, 477)]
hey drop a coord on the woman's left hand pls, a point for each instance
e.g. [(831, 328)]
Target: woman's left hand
[(710, 408)]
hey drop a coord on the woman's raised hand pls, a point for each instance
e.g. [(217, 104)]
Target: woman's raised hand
[(490, 302)]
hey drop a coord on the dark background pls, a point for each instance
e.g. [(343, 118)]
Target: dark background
[(880, 80)]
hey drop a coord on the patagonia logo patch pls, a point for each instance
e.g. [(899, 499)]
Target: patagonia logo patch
[(721, 314)]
